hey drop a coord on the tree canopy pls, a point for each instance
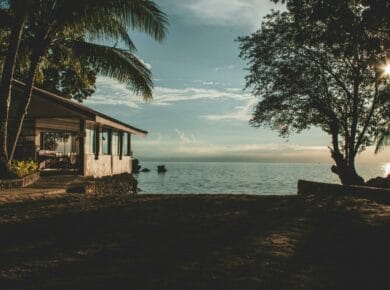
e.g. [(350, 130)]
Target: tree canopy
[(320, 64), (60, 72), (58, 42)]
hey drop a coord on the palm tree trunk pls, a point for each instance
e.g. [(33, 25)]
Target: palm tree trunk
[(25, 102), (6, 90)]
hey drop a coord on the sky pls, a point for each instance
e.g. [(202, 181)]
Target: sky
[(200, 111)]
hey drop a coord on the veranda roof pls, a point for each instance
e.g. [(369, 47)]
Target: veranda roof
[(81, 110)]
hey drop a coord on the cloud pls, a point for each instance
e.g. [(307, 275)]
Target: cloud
[(185, 145), (205, 83), (250, 152), (147, 65), (243, 113), (185, 139), (165, 95), (226, 67), (250, 149), (230, 13), (158, 140), (111, 92)]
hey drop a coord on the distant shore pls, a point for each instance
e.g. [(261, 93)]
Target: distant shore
[(194, 242)]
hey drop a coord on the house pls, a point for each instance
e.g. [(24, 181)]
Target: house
[(64, 135)]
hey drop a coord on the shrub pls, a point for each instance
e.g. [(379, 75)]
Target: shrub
[(22, 168)]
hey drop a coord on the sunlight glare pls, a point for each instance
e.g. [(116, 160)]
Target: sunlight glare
[(386, 169), (386, 70)]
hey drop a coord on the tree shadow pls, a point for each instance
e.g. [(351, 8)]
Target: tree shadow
[(195, 242)]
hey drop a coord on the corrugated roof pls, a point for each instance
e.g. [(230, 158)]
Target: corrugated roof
[(77, 107)]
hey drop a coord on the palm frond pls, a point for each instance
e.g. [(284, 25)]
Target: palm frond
[(5, 18), (119, 64), (110, 29), (103, 29), (146, 16), (141, 15)]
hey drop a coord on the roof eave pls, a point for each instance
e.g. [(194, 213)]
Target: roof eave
[(87, 112)]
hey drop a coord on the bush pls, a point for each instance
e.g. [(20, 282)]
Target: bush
[(23, 167)]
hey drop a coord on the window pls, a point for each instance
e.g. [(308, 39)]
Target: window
[(90, 141), (106, 142), (115, 143), (125, 144), (59, 142)]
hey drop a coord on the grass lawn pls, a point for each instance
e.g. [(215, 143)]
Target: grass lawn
[(195, 242)]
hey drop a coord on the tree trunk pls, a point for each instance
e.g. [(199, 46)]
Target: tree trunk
[(5, 168), (25, 102), (345, 167), (347, 174), (6, 91)]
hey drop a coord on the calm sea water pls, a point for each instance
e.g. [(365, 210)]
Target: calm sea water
[(239, 178)]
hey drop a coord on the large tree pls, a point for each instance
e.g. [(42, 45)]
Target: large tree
[(48, 25), (320, 63)]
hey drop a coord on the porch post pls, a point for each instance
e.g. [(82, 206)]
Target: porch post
[(129, 145), (97, 141), (120, 145), (82, 145)]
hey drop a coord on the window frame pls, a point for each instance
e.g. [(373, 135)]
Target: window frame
[(109, 149)]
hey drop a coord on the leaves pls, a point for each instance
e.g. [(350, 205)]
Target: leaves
[(70, 65), (119, 64), (316, 65)]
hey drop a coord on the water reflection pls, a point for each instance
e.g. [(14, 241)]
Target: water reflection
[(386, 169)]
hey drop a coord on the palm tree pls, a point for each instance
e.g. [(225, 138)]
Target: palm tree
[(50, 22), (13, 13)]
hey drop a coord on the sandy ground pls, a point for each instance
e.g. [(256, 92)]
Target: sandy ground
[(194, 242)]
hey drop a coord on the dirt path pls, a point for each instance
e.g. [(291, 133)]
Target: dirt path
[(194, 242)]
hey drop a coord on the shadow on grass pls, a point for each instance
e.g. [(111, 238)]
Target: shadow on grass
[(192, 242)]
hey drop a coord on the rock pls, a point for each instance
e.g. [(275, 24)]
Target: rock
[(161, 169), (136, 166), (120, 184), (381, 182), (145, 170)]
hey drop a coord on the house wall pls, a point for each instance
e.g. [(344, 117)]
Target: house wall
[(121, 166), (106, 165)]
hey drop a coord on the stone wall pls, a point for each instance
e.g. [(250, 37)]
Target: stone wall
[(19, 182), (124, 183), (310, 187)]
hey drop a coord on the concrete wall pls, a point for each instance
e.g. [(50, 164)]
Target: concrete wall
[(106, 165), (121, 166), (313, 188)]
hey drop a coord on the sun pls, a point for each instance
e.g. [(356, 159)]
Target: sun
[(386, 70)]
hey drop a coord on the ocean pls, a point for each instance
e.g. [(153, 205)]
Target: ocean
[(240, 178)]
